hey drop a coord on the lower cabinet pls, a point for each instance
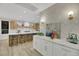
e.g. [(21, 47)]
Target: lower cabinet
[(42, 46), (36, 44), (13, 40), (39, 45), (19, 39), (49, 48), (64, 51)]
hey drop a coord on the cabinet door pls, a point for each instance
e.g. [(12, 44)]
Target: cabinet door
[(53, 49), (48, 48), (69, 51), (36, 42), (13, 24), (43, 46), (39, 44), (57, 50)]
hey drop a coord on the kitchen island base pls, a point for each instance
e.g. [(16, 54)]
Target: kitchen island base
[(19, 39)]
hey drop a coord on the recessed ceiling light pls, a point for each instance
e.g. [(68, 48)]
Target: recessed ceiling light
[(43, 19), (24, 11), (26, 24), (20, 16)]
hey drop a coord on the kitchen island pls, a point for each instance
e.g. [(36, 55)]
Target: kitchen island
[(55, 47), (20, 38)]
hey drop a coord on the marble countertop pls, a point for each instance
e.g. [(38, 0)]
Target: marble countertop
[(23, 33), (63, 42)]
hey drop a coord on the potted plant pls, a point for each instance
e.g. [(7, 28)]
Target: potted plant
[(40, 33)]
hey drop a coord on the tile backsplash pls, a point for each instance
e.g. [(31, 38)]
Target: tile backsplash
[(54, 27)]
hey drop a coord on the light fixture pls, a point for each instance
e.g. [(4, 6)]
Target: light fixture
[(43, 19), (70, 15), (26, 24), (24, 11), (20, 16), (19, 23)]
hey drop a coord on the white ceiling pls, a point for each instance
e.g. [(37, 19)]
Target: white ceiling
[(24, 11), (42, 6), (36, 7)]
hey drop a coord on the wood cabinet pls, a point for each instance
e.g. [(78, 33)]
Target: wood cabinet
[(13, 24), (13, 40), (48, 48), (36, 26), (19, 39), (30, 37)]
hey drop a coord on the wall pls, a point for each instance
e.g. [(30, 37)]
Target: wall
[(59, 13), (0, 26), (69, 27)]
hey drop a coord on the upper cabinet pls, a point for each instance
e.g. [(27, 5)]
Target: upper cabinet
[(36, 26), (13, 24), (16, 24)]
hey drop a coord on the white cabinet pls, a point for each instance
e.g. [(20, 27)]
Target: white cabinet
[(36, 42), (42, 45), (68, 51), (39, 44), (60, 50), (0, 27), (50, 48)]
